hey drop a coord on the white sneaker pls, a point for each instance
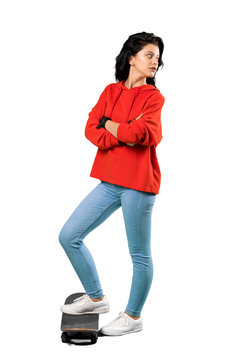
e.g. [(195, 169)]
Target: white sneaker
[(84, 305), (122, 325)]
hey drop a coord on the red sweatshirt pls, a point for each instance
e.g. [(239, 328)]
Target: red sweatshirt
[(135, 166)]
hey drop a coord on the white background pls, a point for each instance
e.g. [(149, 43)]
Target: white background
[(56, 58)]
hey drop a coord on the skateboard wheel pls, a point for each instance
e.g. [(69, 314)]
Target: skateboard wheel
[(94, 338), (65, 338)]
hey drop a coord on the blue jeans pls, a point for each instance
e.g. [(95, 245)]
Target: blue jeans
[(95, 208)]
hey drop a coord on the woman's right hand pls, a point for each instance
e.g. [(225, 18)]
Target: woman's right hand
[(139, 116)]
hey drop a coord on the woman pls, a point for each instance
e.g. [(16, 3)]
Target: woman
[(125, 125)]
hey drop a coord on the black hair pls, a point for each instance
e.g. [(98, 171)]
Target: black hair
[(131, 47)]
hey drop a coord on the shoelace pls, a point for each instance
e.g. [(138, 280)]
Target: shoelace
[(81, 298), (121, 320)]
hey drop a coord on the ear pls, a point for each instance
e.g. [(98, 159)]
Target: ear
[(131, 61)]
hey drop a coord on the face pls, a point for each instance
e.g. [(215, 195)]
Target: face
[(144, 60)]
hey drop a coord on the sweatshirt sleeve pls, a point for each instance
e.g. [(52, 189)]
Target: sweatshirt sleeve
[(146, 130), (99, 137)]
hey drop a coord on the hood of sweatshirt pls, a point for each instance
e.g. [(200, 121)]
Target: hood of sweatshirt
[(145, 87), (134, 90)]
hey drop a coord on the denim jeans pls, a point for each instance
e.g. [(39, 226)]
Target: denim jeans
[(94, 209)]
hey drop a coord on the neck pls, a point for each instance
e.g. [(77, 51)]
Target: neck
[(129, 83)]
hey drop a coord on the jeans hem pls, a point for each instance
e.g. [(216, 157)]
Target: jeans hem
[(97, 295), (133, 313)]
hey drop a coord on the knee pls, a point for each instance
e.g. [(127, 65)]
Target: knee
[(68, 239), (63, 238), (142, 261)]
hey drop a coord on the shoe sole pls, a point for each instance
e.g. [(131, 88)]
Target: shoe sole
[(109, 333)]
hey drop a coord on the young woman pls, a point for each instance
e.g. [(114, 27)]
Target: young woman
[(125, 125)]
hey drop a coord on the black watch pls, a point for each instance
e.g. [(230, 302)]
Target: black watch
[(102, 122)]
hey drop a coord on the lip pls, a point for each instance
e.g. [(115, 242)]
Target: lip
[(153, 69)]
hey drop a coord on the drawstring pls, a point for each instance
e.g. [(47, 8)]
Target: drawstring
[(135, 95)]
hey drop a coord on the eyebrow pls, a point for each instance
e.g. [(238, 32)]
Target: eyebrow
[(150, 52)]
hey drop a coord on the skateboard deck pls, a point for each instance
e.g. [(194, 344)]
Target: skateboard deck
[(79, 329)]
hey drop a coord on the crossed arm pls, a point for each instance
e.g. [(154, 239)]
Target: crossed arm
[(147, 131), (112, 127)]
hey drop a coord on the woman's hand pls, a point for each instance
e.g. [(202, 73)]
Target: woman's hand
[(139, 116)]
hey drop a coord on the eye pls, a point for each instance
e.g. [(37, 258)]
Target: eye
[(151, 56)]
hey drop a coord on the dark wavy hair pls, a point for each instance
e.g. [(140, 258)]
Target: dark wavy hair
[(131, 47)]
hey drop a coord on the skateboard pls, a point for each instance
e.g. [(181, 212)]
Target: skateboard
[(79, 329)]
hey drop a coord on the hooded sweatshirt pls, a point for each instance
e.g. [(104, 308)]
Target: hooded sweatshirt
[(136, 166)]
